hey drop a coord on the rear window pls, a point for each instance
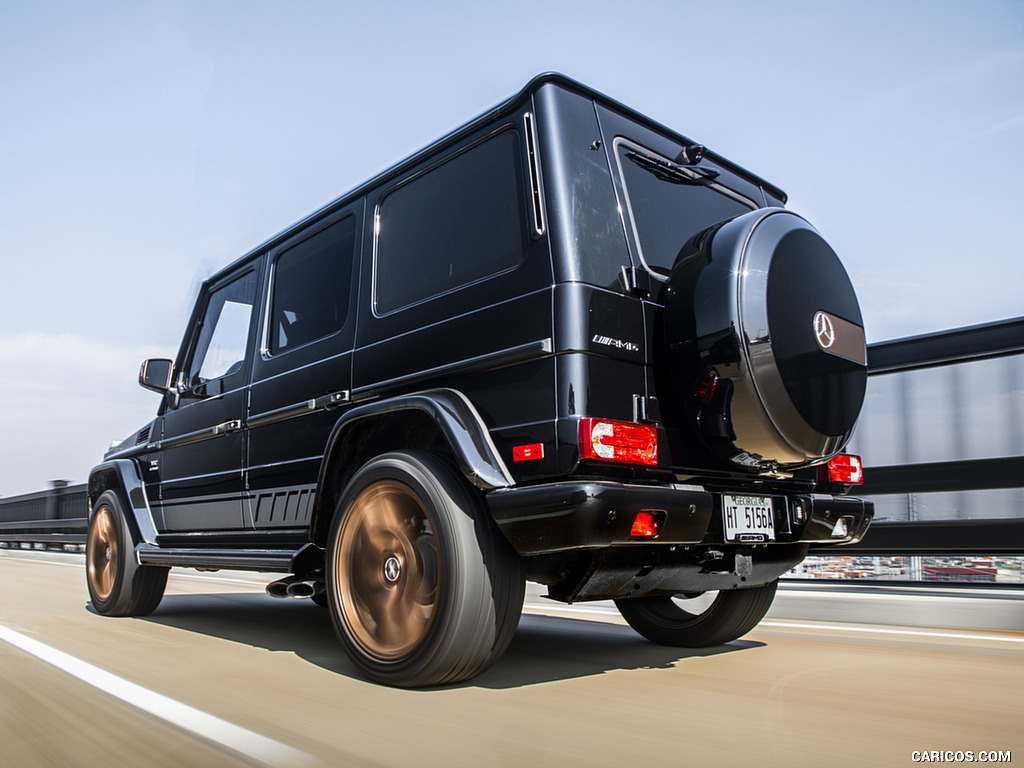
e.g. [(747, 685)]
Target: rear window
[(458, 223), (670, 203)]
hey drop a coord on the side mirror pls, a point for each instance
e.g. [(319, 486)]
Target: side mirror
[(156, 375)]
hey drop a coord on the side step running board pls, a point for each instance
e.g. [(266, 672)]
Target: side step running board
[(307, 558)]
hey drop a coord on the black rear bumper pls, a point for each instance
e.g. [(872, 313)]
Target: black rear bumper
[(568, 516)]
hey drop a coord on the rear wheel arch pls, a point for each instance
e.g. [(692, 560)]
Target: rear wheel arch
[(442, 422)]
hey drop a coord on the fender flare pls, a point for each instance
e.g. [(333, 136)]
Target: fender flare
[(459, 422), (123, 475)]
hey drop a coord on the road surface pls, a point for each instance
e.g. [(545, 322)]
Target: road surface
[(222, 675)]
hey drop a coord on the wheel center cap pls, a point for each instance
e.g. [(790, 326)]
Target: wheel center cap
[(107, 553), (392, 569)]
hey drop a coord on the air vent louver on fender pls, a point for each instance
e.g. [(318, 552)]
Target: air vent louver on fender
[(143, 436)]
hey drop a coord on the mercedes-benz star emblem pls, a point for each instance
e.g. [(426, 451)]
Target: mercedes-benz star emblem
[(824, 331), (392, 569)]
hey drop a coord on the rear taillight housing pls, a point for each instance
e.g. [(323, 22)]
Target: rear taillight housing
[(620, 441), (845, 469)]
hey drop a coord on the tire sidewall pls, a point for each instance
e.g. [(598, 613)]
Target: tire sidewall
[(455, 516), (120, 594)]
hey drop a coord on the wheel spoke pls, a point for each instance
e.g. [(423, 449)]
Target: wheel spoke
[(387, 578), (103, 553)]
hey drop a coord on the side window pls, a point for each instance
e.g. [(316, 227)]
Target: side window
[(453, 225), (311, 287), (224, 334)]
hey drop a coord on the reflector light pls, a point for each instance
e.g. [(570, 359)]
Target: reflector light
[(645, 526), (621, 441), (705, 388), (530, 452), (844, 468)]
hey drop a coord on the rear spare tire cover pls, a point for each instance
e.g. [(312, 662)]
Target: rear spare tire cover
[(762, 305)]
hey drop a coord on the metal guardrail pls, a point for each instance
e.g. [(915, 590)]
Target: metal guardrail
[(997, 536), (57, 515), (53, 517)]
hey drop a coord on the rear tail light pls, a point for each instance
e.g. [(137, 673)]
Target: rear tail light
[(844, 468), (621, 441)]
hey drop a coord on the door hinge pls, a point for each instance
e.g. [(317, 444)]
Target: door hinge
[(646, 410), (636, 281)]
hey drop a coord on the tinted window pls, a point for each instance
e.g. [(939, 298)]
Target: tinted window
[(311, 287), (451, 226), (224, 334), (669, 204)]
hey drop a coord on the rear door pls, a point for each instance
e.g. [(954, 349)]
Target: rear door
[(302, 374)]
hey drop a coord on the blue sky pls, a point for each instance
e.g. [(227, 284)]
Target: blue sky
[(145, 144)]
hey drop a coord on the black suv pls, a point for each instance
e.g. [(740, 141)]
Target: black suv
[(562, 344)]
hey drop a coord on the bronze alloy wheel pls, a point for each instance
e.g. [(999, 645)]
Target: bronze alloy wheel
[(103, 546), (389, 579)]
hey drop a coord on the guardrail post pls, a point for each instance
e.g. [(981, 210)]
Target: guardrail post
[(53, 495)]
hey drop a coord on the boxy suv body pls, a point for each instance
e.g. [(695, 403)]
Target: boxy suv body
[(561, 344)]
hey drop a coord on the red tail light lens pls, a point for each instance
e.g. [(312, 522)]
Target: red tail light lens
[(620, 441), (645, 526), (704, 390), (844, 468)]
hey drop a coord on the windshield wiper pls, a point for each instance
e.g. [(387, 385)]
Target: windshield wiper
[(674, 173)]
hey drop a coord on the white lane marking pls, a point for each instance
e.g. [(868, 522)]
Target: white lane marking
[(881, 631), (543, 609), (248, 743), (937, 594), (48, 562), (254, 581)]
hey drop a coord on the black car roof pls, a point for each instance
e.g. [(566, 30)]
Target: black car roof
[(506, 106)]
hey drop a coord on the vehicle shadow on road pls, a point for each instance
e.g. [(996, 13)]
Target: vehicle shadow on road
[(545, 649)]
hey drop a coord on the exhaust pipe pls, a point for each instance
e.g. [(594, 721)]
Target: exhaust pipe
[(306, 588), (296, 586)]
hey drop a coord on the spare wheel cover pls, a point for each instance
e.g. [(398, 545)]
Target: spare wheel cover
[(798, 364)]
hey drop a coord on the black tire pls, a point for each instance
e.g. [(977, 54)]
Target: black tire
[(118, 585), (422, 588), (665, 620)]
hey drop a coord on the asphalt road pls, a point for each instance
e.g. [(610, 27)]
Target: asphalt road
[(222, 675)]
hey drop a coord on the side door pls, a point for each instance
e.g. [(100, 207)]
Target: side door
[(199, 462), (302, 374)]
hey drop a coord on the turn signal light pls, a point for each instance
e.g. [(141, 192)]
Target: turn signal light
[(844, 468), (621, 441), (645, 526)]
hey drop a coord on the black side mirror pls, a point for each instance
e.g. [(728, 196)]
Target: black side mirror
[(156, 375)]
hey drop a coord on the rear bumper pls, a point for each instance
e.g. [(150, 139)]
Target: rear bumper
[(568, 516)]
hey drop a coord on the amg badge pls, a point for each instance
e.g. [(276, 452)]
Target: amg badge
[(607, 341)]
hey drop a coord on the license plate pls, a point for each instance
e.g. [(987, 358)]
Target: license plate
[(748, 518)]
